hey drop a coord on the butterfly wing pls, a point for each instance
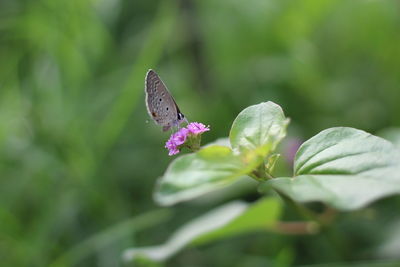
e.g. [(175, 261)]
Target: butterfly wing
[(160, 103)]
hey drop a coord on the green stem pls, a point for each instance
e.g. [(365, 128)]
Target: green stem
[(324, 224), (260, 173), (297, 228), (302, 210)]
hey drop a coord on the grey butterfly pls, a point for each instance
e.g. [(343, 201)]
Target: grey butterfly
[(161, 106)]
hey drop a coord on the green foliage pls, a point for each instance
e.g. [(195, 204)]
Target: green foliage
[(262, 215), (192, 175), (345, 168), (230, 219), (258, 128), (78, 161), (254, 134)]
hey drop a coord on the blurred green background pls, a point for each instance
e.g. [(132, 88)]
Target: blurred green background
[(79, 156)]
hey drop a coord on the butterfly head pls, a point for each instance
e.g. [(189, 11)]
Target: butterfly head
[(181, 118)]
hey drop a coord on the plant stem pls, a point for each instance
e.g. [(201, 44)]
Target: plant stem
[(297, 228), (302, 210), (323, 222)]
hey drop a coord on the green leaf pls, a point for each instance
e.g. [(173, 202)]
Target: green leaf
[(271, 161), (195, 174), (230, 219), (261, 215), (344, 167), (258, 128)]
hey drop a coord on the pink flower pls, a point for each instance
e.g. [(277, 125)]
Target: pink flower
[(197, 128), (191, 132), (172, 147), (173, 151), (170, 144), (180, 136), (176, 140)]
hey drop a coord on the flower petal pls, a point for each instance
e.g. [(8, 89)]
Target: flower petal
[(197, 128)]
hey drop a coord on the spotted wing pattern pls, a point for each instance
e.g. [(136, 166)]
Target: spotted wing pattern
[(160, 104)]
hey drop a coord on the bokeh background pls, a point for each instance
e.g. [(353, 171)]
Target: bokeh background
[(79, 157)]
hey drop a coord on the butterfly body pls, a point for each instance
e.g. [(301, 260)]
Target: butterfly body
[(161, 106)]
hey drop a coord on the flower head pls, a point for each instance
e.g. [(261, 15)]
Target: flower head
[(176, 140), (173, 151), (189, 137), (180, 136), (197, 128), (172, 147)]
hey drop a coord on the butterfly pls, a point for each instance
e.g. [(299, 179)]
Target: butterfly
[(160, 104)]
